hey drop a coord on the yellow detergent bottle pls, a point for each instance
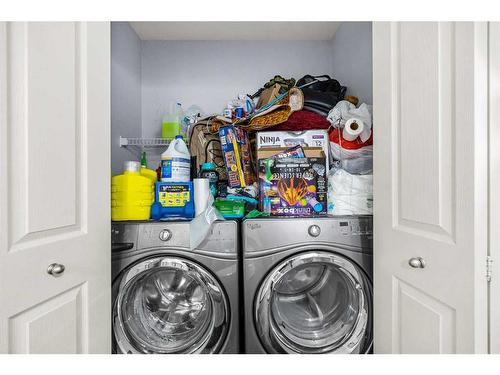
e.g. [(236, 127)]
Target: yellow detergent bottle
[(132, 193), (149, 173)]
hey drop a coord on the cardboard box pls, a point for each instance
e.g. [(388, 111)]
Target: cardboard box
[(310, 152), (287, 139), (237, 156), (293, 186)]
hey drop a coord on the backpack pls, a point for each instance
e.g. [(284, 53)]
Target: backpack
[(205, 147), (323, 95)]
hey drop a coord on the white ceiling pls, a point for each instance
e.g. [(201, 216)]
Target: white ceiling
[(235, 30)]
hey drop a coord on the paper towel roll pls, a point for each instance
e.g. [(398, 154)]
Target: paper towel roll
[(201, 194), (352, 129)]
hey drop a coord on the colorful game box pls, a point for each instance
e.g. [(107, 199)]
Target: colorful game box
[(237, 156), (293, 186)]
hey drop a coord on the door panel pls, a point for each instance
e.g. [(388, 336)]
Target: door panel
[(54, 187), (414, 309), (62, 318), (44, 128), (34, 63), (423, 122), (430, 109)]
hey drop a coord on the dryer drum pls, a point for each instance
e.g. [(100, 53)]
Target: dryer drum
[(170, 305), (314, 302)]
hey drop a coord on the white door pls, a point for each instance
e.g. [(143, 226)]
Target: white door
[(430, 187), (54, 188)]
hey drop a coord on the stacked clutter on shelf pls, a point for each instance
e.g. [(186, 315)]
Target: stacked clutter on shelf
[(294, 148)]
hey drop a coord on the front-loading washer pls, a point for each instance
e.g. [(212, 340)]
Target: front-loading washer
[(308, 285), (168, 299)]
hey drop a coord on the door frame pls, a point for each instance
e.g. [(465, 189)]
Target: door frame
[(494, 185)]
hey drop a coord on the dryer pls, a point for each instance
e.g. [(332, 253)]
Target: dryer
[(308, 285), (169, 299)]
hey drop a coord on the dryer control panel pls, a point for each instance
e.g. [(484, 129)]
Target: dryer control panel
[(356, 227), (352, 232)]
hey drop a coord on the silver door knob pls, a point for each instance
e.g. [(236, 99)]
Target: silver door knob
[(416, 262), (55, 269)]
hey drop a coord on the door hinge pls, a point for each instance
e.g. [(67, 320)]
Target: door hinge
[(489, 261)]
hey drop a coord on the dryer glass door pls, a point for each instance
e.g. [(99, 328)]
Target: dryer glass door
[(315, 302), (169, 305)]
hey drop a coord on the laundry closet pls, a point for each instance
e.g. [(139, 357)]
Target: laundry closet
[(323, 303), (415, 277)]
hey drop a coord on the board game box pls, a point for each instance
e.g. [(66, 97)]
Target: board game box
[(293, 186)]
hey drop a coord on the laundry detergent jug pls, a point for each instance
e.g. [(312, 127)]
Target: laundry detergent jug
[(132, 194), (176, 162)]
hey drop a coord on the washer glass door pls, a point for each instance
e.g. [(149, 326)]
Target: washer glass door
[(315, 302), (169, 305)]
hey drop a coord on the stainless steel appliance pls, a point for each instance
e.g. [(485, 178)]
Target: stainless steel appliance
[(308, 285), (169, 299)]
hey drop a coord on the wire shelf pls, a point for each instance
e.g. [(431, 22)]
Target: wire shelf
[(144, 142)]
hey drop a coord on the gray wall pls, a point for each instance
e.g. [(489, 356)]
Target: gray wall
[(352, 59), (210, 73), (125, 91)]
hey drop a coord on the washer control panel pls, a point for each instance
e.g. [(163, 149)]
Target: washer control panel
[(222, 237)]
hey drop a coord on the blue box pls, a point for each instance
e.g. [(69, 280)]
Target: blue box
[(237, 155), (173, 200)]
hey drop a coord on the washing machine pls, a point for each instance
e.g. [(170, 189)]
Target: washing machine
[(168, 299), (308, 285)]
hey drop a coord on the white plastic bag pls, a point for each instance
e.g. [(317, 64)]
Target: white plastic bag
[(339, 114), (199, 227), (359, 160), (340, 153), (345, 110), (356, 161), (189, 119), (349, 194)]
